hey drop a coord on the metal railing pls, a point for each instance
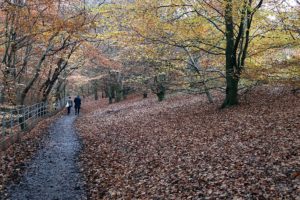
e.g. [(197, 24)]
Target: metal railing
[(19, 119)]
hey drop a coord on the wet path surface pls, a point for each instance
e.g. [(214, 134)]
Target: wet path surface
[(53, 174)]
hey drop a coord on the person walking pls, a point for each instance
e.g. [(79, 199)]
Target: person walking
[(77, 102), (69, 105)]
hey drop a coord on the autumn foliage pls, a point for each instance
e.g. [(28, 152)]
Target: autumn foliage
[(195, 56), (38, 44)]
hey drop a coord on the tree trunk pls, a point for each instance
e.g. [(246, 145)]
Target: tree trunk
[(232, 77), (37, 71), (110, 93), (32, 81), (231, 91), (96, 93)]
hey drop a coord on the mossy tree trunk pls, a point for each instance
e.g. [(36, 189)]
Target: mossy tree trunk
[(232, 78), (236, 46)]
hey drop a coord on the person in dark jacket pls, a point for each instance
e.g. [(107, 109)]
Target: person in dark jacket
[(69, 105), (77, 102)]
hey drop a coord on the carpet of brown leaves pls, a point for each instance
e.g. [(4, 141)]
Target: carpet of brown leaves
[(184, 148), (14, 159)]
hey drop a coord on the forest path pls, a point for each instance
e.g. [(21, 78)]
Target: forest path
[(53, 174)]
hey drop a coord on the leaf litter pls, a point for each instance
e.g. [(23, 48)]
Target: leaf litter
[(185, 148)]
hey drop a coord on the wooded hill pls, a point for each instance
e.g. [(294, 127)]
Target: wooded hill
[(117, 47)]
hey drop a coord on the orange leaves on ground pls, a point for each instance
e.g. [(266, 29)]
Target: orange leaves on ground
[(185, 149)]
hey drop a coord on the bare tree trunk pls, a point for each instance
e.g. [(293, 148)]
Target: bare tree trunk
[(37, 71)]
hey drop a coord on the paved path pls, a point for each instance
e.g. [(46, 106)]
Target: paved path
[(53, 174)]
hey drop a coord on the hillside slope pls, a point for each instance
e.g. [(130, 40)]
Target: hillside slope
[(184, 148)]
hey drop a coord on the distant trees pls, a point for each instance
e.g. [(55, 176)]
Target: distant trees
[(114, 86)]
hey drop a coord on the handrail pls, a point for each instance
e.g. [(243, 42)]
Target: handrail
[(16, 121)]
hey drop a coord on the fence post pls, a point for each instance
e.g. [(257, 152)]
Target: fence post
[(11, 126), (18, 118), (45, 108), (11, 121), (3, 130), (27, 113), (37, 110), (22, 118)]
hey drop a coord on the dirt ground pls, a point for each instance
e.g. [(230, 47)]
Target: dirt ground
[(53, 173)]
